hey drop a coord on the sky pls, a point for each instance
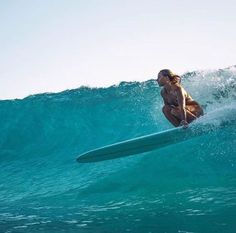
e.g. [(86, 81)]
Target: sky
[(54, 45)]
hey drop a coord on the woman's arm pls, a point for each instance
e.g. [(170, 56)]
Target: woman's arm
[(182, 107), (181, 102)]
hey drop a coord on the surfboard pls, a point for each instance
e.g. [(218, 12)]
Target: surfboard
[(143, 144)]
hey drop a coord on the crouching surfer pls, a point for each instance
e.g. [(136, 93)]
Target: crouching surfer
[(179, 107)]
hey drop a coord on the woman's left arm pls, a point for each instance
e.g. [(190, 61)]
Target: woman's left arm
[(181, 102)]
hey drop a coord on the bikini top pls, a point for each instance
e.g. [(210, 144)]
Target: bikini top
[(173, 93)]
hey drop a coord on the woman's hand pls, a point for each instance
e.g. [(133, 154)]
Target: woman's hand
[(184, 123)]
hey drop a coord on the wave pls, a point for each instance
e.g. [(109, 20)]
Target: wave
[(42, 135)]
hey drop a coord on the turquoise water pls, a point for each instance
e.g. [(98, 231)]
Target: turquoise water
[(183, 188)]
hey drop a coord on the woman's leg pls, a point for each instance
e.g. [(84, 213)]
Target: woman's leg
[(195, 109), (173, 119), (192, 112)]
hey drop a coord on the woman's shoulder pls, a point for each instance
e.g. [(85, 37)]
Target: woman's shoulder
[(180, 88), (177, 87)]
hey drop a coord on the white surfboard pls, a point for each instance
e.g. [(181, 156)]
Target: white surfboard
[(144, 144)]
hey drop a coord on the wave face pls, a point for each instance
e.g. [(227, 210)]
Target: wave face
[(186, 187)]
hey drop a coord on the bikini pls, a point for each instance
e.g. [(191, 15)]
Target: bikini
[(173, 93)]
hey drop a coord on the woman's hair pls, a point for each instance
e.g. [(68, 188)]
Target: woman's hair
[(174, 78)]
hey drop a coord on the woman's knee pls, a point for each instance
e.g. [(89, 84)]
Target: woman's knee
[(163, 109), (166, 109)]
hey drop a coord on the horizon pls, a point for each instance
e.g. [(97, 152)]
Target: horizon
[(117, 84), (52, 47)]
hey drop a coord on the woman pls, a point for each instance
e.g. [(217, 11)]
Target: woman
[(179, 107)]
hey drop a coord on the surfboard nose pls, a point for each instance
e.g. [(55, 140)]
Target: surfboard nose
[(81, 159)]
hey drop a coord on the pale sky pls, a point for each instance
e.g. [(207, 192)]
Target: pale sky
[(53, 45)]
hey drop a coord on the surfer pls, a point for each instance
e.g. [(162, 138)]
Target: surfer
[(179, 107)]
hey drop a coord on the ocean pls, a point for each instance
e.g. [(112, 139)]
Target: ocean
[(188, 187)]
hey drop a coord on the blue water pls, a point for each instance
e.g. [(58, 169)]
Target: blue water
[(188, 187)]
